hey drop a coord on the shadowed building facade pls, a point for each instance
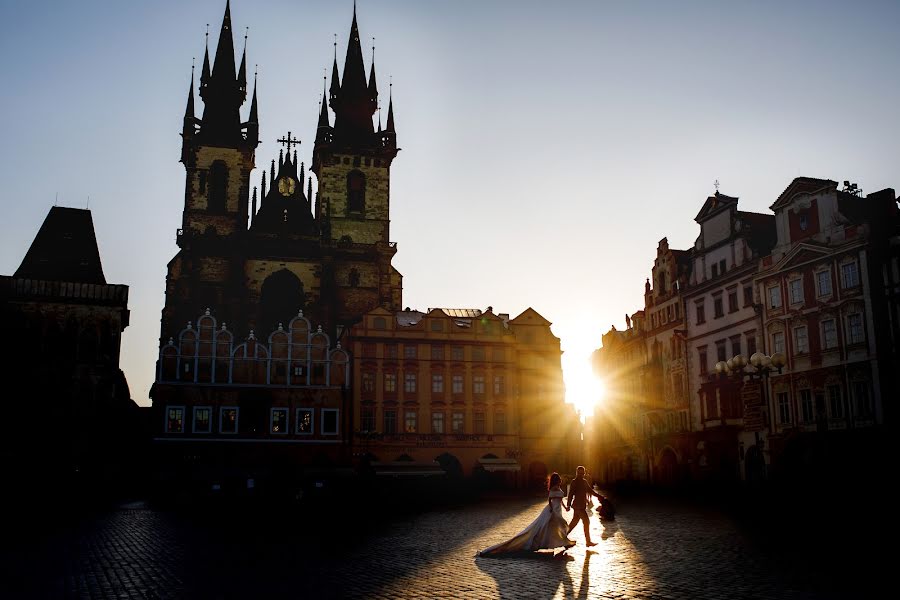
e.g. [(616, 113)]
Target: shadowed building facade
[(811, 291), (63, 323), (267, 280)]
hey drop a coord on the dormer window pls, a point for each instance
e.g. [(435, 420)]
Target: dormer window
[(804, 221)]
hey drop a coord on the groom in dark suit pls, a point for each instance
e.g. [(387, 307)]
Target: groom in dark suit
[(577, 502)]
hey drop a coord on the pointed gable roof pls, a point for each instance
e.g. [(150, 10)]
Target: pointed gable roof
[(802, 253), (802, 185), (715, 204), (530, 317), (64, 249)]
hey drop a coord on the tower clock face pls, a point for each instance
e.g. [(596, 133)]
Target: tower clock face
[(286, 186)]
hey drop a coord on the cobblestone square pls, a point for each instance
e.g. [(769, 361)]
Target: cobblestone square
[(654, 549)]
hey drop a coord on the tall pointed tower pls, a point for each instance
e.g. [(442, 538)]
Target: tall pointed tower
[(352, 162), (218, 153), (218, 150)]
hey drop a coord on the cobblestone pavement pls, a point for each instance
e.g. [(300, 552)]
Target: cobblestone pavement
[(653, 550)]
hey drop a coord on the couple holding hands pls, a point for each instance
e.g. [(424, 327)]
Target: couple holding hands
[(550, 530)]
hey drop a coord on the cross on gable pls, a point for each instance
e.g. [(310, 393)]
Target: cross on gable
[(289, 141)]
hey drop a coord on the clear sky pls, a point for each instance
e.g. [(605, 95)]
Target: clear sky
[(547, 146)]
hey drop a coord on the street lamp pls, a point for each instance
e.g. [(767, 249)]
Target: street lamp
[(760, 367)]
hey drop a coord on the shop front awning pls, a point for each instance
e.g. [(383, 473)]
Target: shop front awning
[(408, 468), (499, 464)]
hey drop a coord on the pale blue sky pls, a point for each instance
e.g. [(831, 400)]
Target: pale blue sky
[(547, 147)]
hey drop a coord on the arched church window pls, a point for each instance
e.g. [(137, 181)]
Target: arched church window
[(356, 191), (281, 299), (218, 186)]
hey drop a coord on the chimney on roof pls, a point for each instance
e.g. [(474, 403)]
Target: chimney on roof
[(490, 309)]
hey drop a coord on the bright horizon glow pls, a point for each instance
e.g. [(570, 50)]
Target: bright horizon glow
[(584, 389)]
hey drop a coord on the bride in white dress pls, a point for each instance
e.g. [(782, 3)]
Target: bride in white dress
[(547, 531)]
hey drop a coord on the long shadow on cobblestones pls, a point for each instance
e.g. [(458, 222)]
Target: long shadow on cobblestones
[(537, 575)]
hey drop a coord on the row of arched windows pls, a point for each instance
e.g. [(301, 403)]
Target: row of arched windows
[(296, 356)]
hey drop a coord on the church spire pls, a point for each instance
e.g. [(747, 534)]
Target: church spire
[(223, 95), (242, 72), (335, 90), (323, 109), (373, 86), (189, 126), (253, 121), (353, 105), (189, 109), (390, 120), (204, 75)]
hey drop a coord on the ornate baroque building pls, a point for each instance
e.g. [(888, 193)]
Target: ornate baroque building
[(472, 390), (815, 284)]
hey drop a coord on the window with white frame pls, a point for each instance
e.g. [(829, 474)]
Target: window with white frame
[(835, 402), (228, 419), (801, 340), (850, 275), (410, 351), (457, 384), (499, 388), (458, 422), (775, 296), (823, 283), (368, 382), (437, 422), (778, 342), (784, 408), (862, 398), (806, 406), (390, 382), (437, 383), (202, 422), (478, 385), (329, 421), (410, 421), (855, 333), (829, 334), (795, 289), (175, 419), (278, 421), (304, 422), (409, 383)]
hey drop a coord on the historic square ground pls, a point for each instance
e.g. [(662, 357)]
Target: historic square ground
[(657, 548)]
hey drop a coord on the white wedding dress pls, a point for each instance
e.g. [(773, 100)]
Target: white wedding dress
[(546, 532)]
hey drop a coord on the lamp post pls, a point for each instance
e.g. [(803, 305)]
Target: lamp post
[(757, 369)]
